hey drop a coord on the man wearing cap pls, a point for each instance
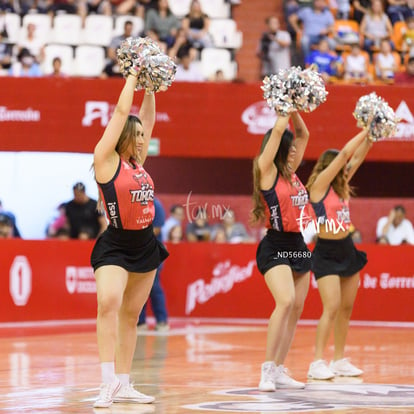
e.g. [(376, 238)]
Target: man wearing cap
[(82, 214)]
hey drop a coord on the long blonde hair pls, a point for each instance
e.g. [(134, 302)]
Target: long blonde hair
[(258, 212), (339, 183)]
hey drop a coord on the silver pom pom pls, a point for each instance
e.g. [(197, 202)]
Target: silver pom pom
[(371, 111), (294, 89), (155, 70)]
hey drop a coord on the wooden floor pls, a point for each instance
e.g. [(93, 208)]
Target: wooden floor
[(204, 368)]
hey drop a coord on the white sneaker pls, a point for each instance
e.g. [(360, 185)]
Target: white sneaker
[(267, 379), (283, 380), (343, 368), (128, 394), (106, 395), (162, 327), (320, 370)]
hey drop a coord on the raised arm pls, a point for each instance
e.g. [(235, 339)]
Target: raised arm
[(357, 158), (301, 138), (324, 179), (147, 117), (265, 161), (105, 156)]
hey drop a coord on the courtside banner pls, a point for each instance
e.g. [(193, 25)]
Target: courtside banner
[(52, 280), (193, 120)]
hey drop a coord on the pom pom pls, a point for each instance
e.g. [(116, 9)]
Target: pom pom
[(143, 58), (371, 111), (294, 89)]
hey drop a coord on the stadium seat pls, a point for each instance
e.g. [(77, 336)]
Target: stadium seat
[(138, 25), (179, 7), (89, 60), (67, 29), (213, 59), (12, 24), (225, 34), (43, 23), (98, 30), (64, 52), (216, 9), (397, 36)]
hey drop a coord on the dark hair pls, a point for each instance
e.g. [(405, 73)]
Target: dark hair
[(174, 207), (410, 59), (339, 183), (399, 207), (280, 160)]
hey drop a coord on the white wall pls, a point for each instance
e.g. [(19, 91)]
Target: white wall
[(33, 184)]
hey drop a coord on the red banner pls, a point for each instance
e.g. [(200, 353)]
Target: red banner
[(193, 120), (52, 280)]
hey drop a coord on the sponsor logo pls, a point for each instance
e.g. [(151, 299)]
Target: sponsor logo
[(259, 118), (80, 279), (225, 276), (19, 115), (20, 282), (321, 397), (101, 111), (405, 128)]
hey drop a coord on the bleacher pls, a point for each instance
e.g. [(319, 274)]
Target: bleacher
[(82, 45)]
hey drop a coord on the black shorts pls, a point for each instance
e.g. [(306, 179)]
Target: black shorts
[(337, 257), (283, 248), (134, 250)]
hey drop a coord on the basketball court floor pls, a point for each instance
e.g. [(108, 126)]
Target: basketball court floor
[(202, 366)]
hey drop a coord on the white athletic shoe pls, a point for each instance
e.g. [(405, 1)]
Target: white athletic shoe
[(283, 380), (128, 394), (267, 379), (344, 368), (319, 370), (106, 395)]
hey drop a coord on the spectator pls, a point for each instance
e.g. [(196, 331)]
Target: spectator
[(62, 6), (400, 10), (317, 22), (12, 217), (6, 227), (356, 65), (32, 42), (182, 46), (26, 66), (162, 22), (57, 68), (218, 234), (395, 229), (87, 7), (327, 61), (199, 229), (7, 6), (144, 5), (156, 296), (355, 234), (121, 7), (81, 212), (274, 48), (385, 62), (406, 76), (5, 51), (176, 218), (111, 70), (235, 232), (360, 8), (188, 70), (58, 223), (407, 45), (375, 26), (117, 40), (196, 25), (175, 234), (343, 8)]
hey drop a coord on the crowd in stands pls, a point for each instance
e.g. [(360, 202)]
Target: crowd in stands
[(80, 219), (27, 39), (349, 41)]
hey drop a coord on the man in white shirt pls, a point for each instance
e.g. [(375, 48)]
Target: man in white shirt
[(395, 229)]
